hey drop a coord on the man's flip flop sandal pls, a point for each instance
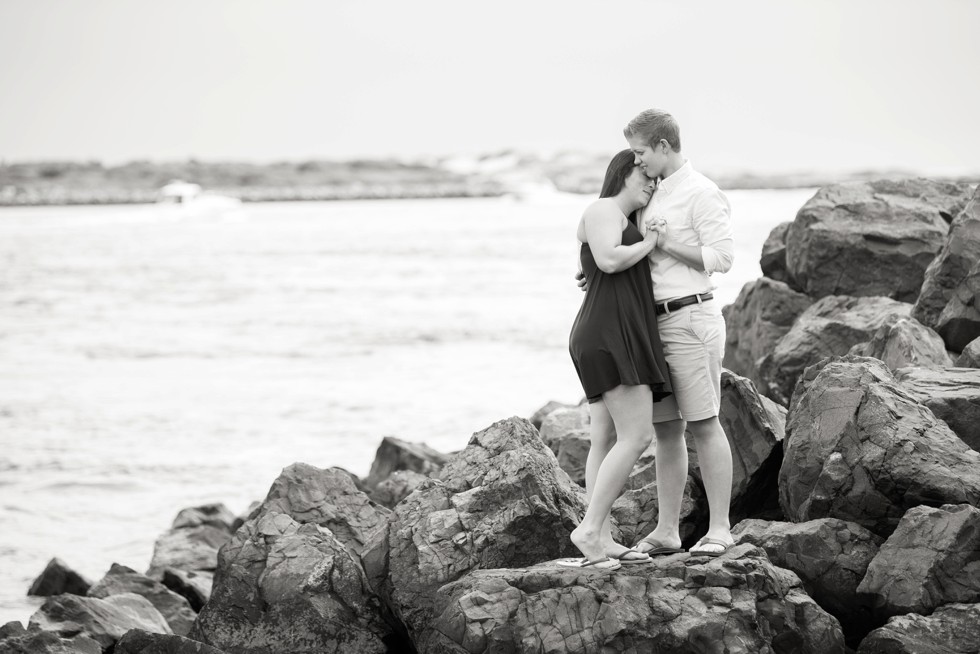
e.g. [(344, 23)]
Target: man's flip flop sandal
[(601, 564), (711, 541), (659, 549)]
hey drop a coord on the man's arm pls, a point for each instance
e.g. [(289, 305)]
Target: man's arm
[(713, 225)]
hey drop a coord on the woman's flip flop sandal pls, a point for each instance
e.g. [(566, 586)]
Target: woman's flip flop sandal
[(639, 558), (711, 541), (600, 564)]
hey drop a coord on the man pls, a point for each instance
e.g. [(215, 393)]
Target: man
[(694, 220)]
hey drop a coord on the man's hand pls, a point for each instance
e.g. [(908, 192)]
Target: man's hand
[(582, 282)]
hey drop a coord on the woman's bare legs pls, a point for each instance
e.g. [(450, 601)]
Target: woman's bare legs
[(631, 411)]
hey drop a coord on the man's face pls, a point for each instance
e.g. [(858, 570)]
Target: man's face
[(652, 159)]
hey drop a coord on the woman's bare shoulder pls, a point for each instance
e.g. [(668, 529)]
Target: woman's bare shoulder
[(603, 208)]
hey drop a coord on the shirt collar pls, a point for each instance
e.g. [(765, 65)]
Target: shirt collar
[(672, 181)]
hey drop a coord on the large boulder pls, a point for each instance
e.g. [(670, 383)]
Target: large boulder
[(829, 555), (137, 641), (738, 603), (905, 342), (970, 356), (959, 322), (930, 560), (102, 620), (858, 447), (14, 639), (286, 586), (566, 432), (174, 608), (57, 578), (960, 252), (953, 394), (952, 629), (396, 454), (760, 317), (829, 327), (500, 502), (637, 510), (773, 258), (871, 238), (187, 548)]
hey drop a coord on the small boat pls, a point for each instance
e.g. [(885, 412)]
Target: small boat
[(191, 200)]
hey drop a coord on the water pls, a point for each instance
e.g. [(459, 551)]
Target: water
[(150, 361)]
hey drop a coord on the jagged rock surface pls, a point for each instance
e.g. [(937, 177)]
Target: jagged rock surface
[(566, 433), (773, 258), (57, 578), (192, 585), (871, 238), (14, 639), (952, 629), (905, 342), (858, 447), (187, 548), (760, 317), (959, 322), (102, 620), (953, 394), (739, 603), (137, 641), (829, 327), (174, 608), (397, 487), (396, 454)]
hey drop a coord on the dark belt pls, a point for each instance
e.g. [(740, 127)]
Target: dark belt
[(681, 302)]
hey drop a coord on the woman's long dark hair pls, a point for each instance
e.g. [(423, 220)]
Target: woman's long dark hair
[(617, 171)]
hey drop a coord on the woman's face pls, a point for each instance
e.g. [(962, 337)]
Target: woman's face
[(639, 186)]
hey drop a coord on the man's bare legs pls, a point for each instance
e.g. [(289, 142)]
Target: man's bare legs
[(715, 459), (630, 408)]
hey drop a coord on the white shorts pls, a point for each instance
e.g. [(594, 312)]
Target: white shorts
[(694, 346)]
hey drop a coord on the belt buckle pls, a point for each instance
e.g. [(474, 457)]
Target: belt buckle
[(698, 296)]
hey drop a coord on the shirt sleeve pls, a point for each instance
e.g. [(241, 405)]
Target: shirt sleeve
[(712, 221)]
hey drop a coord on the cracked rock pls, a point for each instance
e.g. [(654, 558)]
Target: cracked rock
[(102, 620), (953, 394), (952, 629)]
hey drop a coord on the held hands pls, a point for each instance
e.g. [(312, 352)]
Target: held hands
[(657, 226)]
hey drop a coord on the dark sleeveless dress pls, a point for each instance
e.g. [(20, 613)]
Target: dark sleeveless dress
[(615, 339)]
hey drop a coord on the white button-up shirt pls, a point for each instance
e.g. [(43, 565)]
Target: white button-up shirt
[(698, 214)]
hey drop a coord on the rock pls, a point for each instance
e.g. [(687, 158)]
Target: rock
[(636, 511), (243, 517), (773, 259), (830, 556), (188, 548), (953, 394), (500, 502), (755, 426), (905, 342), (830, 327), (215, 515), (952, 629), (57, 578), (395, 454), (102, 620), (679, 604), (192, 585), (959, 322), (930, 560), (960, 252), (538, 416), (174, 608), (328, 498), (14, 639), (858, 447), (289, 587), (763, 313), (871, 238), (566, 433), (970, 357), (397, 487), (137, 641)]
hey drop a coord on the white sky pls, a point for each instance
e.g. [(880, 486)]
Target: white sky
[(767, 86)]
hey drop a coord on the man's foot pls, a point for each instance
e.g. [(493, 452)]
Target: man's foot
[(655, 544), (714, 547)]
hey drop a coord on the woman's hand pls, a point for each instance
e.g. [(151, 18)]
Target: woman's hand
[(658, 224), (652, 233)]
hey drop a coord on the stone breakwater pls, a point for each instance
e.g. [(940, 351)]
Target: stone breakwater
[(853, 373)]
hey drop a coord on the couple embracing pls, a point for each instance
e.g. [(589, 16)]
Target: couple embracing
[(649, 339)]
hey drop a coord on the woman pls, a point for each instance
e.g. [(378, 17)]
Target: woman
[(617, 353)]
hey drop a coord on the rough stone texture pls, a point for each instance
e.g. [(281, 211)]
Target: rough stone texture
[(174, 608), (953, 394), (137, 641), (289, 587), (738, 604), (830, 327), (871, 238), (931, 559), (500, 502), (57, 578), (566, 432), (906, 342), (773, 259), (830, 556), (395, 454), (216, 515), (960, 253), (102, 620), (636, 511), (538, 416), (861, 448), (952, 629), (326, 497), (190, 548), (760, 317), (397, 487), (14, 639), (959, 322), (970, 356), (192, 585)]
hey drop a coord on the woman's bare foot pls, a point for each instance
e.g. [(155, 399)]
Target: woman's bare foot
[(589, 543)]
